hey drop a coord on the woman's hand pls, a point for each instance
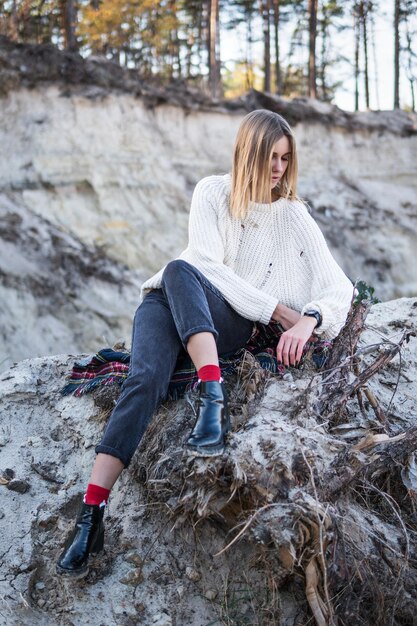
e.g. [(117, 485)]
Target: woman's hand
[(292, 341)]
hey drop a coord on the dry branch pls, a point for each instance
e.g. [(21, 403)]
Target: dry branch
[(383, 456), (338, 396), (340, 362), (387, 354)]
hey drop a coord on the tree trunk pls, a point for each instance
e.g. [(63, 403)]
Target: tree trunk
[(214, 63), (265, 12), (188, 58), (13, 29), (410, 73), (278, 76), (323, 61), (174, 57), (413, 97), (397, 54), (249, 53), (178, 52), (364, 17), (312, 86), (357, 43), (199, 22), (375, 61), (69, 23)]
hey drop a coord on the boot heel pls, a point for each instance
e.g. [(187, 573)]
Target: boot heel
[(98, 543)]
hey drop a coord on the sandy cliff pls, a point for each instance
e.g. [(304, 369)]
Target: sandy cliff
[(109, 162)]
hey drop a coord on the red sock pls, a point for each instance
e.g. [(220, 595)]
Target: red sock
[(209, 373), (96, 495)]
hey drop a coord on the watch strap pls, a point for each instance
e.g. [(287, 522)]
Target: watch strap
[(316, 315)]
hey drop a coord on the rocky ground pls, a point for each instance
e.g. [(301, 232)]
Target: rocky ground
[(306, 515)]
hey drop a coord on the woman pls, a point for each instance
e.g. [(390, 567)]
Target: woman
[(254, 255)]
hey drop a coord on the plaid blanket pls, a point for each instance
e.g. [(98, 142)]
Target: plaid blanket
[(108, 366)]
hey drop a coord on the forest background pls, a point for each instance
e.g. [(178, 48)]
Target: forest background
[(357, 54)]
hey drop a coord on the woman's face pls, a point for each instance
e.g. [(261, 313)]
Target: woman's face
[(280, 156)]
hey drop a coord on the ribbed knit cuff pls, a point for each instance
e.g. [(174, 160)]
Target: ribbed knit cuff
[(268, 310)]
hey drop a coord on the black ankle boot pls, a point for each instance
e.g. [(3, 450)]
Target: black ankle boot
[(213, 421), (87, 538)]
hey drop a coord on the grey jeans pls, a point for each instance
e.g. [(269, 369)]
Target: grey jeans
[(186, 304)]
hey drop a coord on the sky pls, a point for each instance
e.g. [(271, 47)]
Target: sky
[(381, 59)]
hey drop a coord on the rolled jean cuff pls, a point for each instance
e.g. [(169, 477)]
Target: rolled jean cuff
[(101, 449), (198, 329)]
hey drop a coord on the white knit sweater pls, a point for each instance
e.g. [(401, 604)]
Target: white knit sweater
[(276, 254)]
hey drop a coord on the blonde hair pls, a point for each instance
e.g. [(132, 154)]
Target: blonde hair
[(252, 161)]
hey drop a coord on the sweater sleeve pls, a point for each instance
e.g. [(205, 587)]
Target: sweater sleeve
[(331, 290), (207, 248)]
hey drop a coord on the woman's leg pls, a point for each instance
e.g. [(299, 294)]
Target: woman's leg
[(197, 306), (154, 352), (229, 331), (155, 349), (187, 312), (202, 349), (107, 468)]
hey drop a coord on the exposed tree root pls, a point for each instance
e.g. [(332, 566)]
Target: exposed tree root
[(340, 512)]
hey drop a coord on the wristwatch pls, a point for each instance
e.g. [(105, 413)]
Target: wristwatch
[(316, 314)]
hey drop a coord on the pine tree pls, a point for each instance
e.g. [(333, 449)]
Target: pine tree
[(312, 31), (69, 12), (265, 9), (411, 58), (397, 9), (329, 23), (361, 11), (365, 7), (278, 75), (357, 32), (213, 47)]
